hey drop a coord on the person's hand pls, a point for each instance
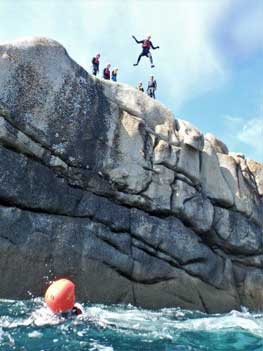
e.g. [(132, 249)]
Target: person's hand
[(133, 36), (158, 47)]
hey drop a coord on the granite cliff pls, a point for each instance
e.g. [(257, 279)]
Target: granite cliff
[(102, 184)]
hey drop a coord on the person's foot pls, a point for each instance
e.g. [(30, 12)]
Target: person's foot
[(135, 64), (152, 66)]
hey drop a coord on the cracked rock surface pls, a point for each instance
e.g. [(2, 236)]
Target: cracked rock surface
[(102, 184)]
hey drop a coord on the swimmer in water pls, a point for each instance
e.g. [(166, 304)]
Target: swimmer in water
[(75, 311)]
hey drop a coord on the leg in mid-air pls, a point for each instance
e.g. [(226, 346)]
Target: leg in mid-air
[(139, 58), (151, 59)]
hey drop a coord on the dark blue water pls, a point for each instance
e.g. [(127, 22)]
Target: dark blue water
[(29, 326)]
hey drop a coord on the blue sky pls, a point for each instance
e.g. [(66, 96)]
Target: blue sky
[(209, 68)]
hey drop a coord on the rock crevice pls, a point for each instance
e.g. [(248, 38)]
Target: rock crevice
[(100, 183)]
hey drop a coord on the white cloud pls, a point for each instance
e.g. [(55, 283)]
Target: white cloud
[(245, 135), (252, 134), (233, 120)]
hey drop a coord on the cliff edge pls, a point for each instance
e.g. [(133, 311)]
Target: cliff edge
[(102, 184)]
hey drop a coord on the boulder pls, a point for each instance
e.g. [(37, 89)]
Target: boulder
[(217, 144), (236, 233), (166, 154), (243, 196), (190, 135), (256, 169), (159, 191), (213, 182), (192, 206), (189, 163)]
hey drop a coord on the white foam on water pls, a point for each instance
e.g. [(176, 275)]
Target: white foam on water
[(43, 316), (95, 346), (169, 323), (35, 334), (6, 338), (232, 320)]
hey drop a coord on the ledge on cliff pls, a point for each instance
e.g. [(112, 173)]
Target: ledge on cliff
[(103, 184)]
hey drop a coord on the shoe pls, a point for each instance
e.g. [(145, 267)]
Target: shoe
[(152, 66), (135, 64)]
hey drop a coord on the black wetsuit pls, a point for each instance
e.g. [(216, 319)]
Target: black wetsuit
[(146, 46), (75, 311)]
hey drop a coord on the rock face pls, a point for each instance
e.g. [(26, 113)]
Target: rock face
[(101, 184)]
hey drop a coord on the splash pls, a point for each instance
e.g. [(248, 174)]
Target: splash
[(28, 325)]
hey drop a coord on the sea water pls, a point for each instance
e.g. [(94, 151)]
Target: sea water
[(29, 326)]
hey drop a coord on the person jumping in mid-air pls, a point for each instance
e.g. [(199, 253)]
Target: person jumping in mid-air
[(146, 46)]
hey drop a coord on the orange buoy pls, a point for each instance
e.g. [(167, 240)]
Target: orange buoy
[(60, 295)]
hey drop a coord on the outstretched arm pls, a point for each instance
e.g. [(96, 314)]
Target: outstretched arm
[(137, 41), (154, 47)]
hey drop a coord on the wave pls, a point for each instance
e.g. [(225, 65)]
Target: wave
[(113, 328)]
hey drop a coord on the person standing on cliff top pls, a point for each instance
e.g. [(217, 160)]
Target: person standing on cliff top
[(95, 64), (106, 72), (140, 87), (146, 46), (114, 74), (152, 86)]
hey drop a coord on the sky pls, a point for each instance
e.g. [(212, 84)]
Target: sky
[(209, 68)]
